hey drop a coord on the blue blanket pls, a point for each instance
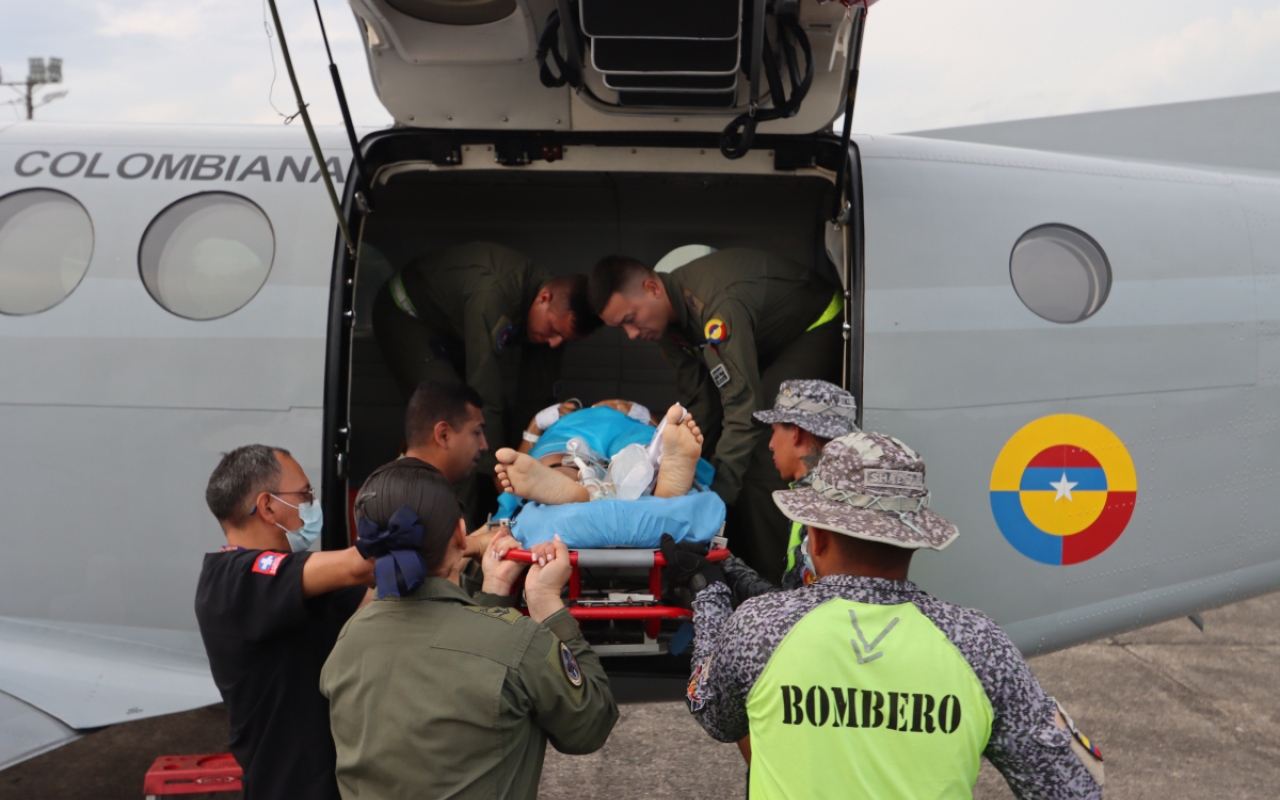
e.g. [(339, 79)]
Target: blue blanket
[(604, 430), (696, 517)]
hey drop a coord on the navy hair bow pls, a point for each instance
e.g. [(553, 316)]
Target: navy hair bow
[(399, 568)]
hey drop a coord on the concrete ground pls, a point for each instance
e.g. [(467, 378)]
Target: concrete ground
[(1178, 714)]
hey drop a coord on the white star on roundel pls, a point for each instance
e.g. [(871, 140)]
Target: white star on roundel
[(1064, 488)]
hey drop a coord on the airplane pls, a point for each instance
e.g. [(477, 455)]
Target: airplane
[(1073, 319)]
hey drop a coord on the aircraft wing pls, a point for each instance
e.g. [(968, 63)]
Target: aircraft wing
[(1232, 134), (58, 678), (26, 731)]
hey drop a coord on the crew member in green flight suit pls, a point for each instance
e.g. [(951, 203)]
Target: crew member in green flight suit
[(458, 313), (733, 325)]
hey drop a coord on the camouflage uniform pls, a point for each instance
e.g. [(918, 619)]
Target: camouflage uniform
[(745, 321), (872, 487), (452, 315)]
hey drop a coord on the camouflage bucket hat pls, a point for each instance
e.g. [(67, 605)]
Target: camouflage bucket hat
[(870, 486), (821, 408)]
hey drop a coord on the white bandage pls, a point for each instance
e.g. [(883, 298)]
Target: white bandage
[(546, 417), (639, 413), (531, 438)]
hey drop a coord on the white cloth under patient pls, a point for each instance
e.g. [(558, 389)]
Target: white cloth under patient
[(629, 475)]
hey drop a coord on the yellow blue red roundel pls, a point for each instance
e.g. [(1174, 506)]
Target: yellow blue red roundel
[(716, 331), (1063, 489)]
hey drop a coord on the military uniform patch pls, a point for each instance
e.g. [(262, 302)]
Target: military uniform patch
[(720, 376), (695, 695), (506, 334), (269, 563), (507, 615), (716, 331), (693, 301), (570, 665)]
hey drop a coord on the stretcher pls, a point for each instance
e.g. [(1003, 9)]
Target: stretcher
[(620, 606)]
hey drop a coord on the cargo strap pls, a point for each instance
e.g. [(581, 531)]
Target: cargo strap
[(837, 305), (401, 297)]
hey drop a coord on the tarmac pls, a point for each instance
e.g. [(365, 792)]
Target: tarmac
[(1178, 714)]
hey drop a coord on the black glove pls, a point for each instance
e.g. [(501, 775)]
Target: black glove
[(688, 567)]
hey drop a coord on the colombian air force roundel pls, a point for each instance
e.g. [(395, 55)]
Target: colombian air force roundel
[(716, 331), (1063, 489)]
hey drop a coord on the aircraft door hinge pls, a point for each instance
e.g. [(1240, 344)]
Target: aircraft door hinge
[(510, 153), (445, 153)]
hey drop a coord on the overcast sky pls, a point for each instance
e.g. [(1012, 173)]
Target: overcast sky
[(926, 63)]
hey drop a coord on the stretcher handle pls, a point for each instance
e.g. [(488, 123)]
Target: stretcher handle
[(526, 557)]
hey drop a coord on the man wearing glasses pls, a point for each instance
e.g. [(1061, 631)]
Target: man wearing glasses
[(269, 613)]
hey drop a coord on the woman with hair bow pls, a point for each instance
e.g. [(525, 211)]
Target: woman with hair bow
[(435, 693)]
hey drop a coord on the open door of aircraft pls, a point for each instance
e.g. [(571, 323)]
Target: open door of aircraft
[(1081, 345)]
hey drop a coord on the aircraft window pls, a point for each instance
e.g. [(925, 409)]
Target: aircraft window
[(1060, 273), (46, 240), (207, 255)]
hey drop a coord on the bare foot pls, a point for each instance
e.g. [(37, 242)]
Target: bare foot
[(681, 447), (524, 476)]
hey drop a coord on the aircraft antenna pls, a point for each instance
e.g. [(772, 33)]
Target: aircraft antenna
[(859, 22), (311, 132), (342, 100)]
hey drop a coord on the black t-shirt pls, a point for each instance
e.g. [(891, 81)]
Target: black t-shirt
[(266, 645)]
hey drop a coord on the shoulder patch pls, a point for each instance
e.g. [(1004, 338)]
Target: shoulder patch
[(570, 666), (504, 333), (716, 331), (696, 695), (268, 562), (504, 613), (693, 301), (720, 376)]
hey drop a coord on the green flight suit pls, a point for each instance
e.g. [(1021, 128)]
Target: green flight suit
[(452, 315), (431, 696), (744, 323)]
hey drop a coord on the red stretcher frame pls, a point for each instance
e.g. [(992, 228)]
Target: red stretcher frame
[(652, 615)]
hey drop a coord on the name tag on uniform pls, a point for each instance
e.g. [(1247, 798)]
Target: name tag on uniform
[(720, 376)]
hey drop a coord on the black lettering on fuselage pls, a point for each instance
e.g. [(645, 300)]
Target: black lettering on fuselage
[(171, 166), (170, 169), (93, 164), (58, 170), (258, 166), (208, 168), (21, 166), (123, 170), (334, 167), (299, 173)]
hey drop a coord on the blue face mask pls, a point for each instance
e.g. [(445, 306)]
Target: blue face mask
[(312, 521)]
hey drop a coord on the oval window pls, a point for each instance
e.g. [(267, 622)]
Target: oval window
[(1060, 273), (207, 255), (46, 241)]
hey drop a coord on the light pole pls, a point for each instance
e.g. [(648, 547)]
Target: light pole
[(38, 74)]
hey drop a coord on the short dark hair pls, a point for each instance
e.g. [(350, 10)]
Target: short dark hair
[(570, 293), (855, 548), (436, 401), (240, 476), (613, 274), (417, 484)]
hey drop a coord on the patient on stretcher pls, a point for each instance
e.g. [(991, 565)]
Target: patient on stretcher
[(643, 481), (673, 454)]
